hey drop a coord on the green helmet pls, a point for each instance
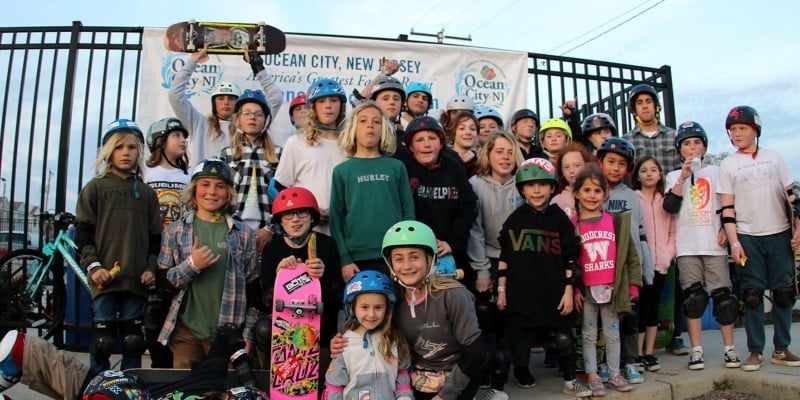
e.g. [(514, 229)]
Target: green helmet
[(536, 169), (409, 234)]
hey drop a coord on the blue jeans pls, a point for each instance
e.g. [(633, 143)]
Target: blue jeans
[(116, 307), (770, 265)]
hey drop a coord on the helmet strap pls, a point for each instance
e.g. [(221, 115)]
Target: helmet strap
[(323, 127), (298, 241), (174, 164)]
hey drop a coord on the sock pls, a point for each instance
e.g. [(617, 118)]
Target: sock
[(697, 348), (729, 348)]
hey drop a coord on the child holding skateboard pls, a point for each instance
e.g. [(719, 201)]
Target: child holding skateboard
[(210, 133), (369, 177), (210, 258), (659, 226), (535, 276), (701, 244), (297, 212), (166, 172), (309, 158), (252, 157), (369, 299), (754, 187), (118, 228), (607, 278)]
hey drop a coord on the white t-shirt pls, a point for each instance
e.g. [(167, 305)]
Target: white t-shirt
[(697, 221), (758, 186), (310, 167), (169, 184)]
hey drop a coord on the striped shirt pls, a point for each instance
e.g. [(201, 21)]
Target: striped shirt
[(661, 147), (252, 161)]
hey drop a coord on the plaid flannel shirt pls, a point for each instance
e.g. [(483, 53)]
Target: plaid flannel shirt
[(242, 171), (661, 147), (242, 268)]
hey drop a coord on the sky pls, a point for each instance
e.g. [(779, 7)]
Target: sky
[(722, 53)]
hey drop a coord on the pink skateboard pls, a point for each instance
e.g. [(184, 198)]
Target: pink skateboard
[(296, 312)]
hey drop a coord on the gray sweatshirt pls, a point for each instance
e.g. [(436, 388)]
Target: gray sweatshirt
[(496, 201), (624, 200)]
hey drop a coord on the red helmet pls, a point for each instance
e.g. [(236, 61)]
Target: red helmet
[(298, 100), (295, 198)]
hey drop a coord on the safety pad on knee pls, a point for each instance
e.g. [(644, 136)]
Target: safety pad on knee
[(726, 306), (695, 300), (561, 340), (104, 339), (156, 308), (133, 342), (752, 298), (783, 297)]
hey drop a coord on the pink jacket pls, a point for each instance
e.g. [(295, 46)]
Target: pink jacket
[(659, 227)]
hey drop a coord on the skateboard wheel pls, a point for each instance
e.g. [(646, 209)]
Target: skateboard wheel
[(320, 308), (261, 23), (278, 305), (192, 21), (459, 274), (191, 47)]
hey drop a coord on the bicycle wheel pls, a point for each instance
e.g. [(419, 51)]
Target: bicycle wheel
[(41, 308)]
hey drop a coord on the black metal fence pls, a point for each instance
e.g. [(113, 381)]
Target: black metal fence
[(62, 83)]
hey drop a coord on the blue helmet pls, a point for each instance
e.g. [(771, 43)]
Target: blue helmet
[(414, 87), (367, 282), (488, 112), (253, 96), (325, 87), (122, 124)]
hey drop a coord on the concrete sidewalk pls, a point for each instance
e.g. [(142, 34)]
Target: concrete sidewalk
[(673, 382)]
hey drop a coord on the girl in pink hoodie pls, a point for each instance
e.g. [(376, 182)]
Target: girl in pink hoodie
[(648, 182)]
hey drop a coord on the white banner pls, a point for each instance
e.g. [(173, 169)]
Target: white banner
[(495, 78)]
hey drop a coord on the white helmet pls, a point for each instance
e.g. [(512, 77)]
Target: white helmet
[(460, 103), (227, 88)]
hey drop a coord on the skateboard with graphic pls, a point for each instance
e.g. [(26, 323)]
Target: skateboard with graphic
[(224, 37), (446, 266), (296, 314)]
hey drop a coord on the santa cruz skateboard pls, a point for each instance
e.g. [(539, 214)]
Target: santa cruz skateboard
[(296, 316), (224, 38)]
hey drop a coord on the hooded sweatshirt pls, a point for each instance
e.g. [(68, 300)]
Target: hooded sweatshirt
[(496, 201)]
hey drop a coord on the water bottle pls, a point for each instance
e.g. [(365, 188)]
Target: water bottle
[(696, 163)]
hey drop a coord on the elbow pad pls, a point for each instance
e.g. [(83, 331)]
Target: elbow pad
[(672, 203)]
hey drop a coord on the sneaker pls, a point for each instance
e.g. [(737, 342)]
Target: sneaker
[(492, 394), (785, 358), (619, 383), (696, 361), (604, 374), (639, 363), (676, 347), (732, 359), (576, 388), (632, 370), (524, 377), (651, 363), (753, 363), (597, 388), (11, 350)]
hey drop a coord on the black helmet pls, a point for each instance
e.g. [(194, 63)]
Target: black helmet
[(163, 127), (744, 115), (423, 123), (213, 168), (619, 146), (596, 122), (387, 83), (523, 113), (639, 89), (115, 385), (690, 129)]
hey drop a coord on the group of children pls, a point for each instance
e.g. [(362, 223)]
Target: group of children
[(540, 218)]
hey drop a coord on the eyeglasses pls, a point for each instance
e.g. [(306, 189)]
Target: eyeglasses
[(289, 215), (248, 114)]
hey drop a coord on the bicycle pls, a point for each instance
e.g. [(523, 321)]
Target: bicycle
[(37, 298)]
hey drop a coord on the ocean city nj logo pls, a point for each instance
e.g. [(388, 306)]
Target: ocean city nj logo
[(484, 82), (207, 74)]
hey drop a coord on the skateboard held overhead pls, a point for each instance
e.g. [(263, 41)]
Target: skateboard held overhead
[(224, 37)]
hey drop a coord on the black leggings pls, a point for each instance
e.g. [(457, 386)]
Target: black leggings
[(649, 302)]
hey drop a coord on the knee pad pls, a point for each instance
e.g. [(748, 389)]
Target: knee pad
[(695, 300), (752, 298), (263, 333), (232, 337), (783, 297), (133, 343), (474, 358), (104, 339), (726, 306), (561, 340), (155, 309)]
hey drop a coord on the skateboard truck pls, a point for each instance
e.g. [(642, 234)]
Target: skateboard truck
[(299, 309), (261, 38), (191, 36)]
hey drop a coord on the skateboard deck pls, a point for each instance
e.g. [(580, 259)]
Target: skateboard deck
[(224, 38), (152, 376), (296, 316), (666, 309)]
